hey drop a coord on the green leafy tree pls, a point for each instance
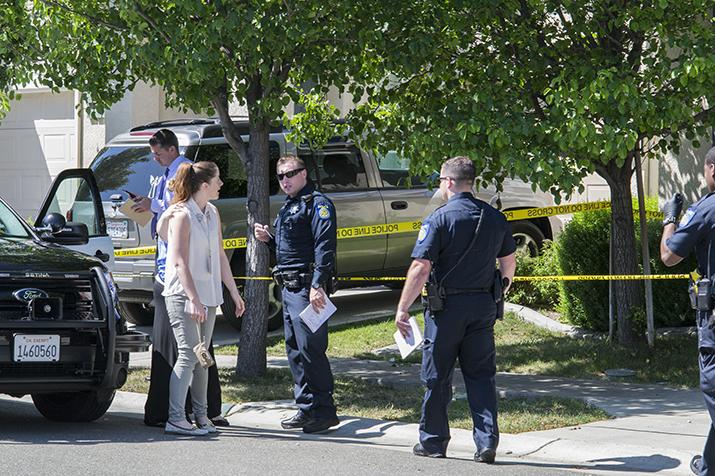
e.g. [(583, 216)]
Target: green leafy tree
[(205, 55), (550, 91), (15, 31)]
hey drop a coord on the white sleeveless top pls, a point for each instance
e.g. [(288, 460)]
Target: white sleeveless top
[(204, 264)]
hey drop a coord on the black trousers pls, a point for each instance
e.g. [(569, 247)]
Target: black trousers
[(706, 361), (312, 377), (163, 357), (464, 330)]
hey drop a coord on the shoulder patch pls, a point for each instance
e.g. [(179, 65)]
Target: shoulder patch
[(687, 217), (424, 231), (323, 211)]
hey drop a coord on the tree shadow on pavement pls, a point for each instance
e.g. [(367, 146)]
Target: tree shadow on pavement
[(642, 464)]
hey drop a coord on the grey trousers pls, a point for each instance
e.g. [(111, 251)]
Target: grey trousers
[(187, 372)]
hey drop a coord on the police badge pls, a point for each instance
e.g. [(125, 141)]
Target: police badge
[(323, 212)]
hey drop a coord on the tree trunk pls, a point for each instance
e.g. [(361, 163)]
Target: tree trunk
[(624, 245), (252, 350)]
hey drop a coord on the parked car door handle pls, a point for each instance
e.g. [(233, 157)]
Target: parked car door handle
[(399, 205), (102, 256)]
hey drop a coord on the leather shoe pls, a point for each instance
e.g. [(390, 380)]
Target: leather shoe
[(220, 421), (420, 450), (695, 464), (316, 425), (485, 455), (296, 421)]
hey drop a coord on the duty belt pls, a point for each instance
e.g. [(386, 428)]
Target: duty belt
[(452, 291), (293, 278)]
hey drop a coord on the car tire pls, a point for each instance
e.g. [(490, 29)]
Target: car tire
[(137, 313), (73, 406), (275, 308), (527, 236)]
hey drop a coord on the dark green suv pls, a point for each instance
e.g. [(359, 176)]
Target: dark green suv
[(62, 338)]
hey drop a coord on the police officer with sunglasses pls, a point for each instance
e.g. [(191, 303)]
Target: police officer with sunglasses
[(305, 242)]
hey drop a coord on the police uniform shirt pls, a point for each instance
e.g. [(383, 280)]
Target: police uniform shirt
[(306, 233), (447, 233), (695, 230)]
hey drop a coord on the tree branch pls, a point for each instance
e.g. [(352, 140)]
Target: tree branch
[(219, 101), (152, 23), (100, 21)]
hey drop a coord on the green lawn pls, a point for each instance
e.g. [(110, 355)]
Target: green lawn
[(360, 398), (353, 340), (525, 348)]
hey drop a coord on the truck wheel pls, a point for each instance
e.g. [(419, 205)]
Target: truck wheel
[(275, 308), (73, 406), (137, 313), (528, 237)]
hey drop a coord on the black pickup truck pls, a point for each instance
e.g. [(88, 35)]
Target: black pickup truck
[(62, 339)]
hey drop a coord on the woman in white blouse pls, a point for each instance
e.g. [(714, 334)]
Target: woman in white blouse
[(196, 265)]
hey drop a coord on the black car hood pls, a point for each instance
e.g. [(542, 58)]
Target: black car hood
[(20, 256)]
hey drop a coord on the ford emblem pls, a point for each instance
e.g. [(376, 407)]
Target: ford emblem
[(26, 295)]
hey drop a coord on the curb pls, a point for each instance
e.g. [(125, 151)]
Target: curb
[(567, 452), (529, 315)]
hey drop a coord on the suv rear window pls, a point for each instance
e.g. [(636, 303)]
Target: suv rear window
[(121, 168), (395, 171), (338, 169), (232, 171)]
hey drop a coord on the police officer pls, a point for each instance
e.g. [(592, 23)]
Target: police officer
[(696, 230), (305, 242), (456, 253)]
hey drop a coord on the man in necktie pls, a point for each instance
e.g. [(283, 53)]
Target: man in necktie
[(165, 148)]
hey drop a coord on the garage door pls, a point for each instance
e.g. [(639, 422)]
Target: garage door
[(37, 141)]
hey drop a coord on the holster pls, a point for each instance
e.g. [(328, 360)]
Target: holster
[(498, 293), (433, 297), (331, 286)]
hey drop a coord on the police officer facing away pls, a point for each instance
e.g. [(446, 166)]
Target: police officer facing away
[(696, 230), (305, 242), (457, 250)]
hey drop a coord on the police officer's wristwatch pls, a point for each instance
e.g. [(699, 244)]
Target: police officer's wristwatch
[(315, 286)]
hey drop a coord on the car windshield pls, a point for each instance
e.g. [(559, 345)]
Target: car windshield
[(120, 169), (10, 225)]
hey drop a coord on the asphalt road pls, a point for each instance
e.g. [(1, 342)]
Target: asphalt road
[(354, 305), (120, 444)]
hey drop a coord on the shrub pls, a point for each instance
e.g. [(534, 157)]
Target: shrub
[(583, 249), (540, 294)]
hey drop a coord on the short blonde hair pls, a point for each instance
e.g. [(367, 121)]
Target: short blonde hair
[(290, 158)]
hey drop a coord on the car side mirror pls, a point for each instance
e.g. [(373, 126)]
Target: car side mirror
[(56, 230), (53, 223)]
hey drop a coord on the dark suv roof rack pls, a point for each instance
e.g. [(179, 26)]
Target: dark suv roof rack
[(197, 121)]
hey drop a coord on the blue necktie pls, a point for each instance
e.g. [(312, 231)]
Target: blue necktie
[(159, 196)]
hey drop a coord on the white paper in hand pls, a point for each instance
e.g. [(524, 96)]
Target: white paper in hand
[(315, 319), (413, 340)]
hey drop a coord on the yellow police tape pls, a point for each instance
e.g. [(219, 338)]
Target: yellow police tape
[(592, 277), (412, 226)]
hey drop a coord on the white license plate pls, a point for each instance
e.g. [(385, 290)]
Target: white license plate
[(36, 348), (117, 229)]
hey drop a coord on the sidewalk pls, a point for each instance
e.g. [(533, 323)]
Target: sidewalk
[(656, 428)]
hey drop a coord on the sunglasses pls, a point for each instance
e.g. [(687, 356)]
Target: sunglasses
[(290, 174)]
